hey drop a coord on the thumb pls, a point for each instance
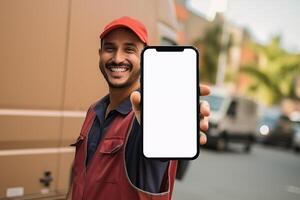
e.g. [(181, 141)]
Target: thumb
[(135, 99)]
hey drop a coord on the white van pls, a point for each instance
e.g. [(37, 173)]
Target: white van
[(233, 119)]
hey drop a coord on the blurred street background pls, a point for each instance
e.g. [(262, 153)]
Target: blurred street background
[(249, 55), (266, 173)]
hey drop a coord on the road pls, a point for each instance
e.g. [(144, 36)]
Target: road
[(265, 173)]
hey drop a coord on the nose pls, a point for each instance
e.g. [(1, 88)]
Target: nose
[(119, 56)]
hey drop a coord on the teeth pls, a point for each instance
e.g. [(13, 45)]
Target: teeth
[(118, 69)]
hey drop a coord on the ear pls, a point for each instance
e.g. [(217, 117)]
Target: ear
[(99, 51)]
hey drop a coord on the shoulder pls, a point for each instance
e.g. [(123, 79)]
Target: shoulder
[(97, 103)]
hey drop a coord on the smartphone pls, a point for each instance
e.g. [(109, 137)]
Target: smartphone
[(170, 102)]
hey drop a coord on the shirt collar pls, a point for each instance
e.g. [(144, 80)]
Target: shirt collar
[(101, 106), (124, 107)]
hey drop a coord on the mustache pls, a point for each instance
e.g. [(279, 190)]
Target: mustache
[(112, 63)]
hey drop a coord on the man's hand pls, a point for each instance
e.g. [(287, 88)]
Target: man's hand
[(204, 113), (204, 110)]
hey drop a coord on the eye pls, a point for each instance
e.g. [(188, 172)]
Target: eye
[(130, 50), (109, 49)]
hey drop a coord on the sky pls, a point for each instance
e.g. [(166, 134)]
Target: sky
[(264, 18)]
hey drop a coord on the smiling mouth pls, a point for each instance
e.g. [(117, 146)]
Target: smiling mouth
[(118, 68)]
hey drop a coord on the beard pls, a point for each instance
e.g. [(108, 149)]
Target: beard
[(132, 78)]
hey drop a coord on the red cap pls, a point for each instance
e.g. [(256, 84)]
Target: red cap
[(136, 26)]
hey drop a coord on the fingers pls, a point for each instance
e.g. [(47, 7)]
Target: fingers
[(204, 90), (204, 124), (204, 109), (204, 113), (203, 138), (135, 99)]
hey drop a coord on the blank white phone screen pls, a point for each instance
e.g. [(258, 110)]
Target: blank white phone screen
[(169, 103)]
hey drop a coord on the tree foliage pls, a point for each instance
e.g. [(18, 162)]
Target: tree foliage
[(275, 73)]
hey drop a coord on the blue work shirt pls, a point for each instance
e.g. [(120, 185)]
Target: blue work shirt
[(145, 174)]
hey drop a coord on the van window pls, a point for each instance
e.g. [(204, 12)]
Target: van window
[(232, 109), (214, 101)]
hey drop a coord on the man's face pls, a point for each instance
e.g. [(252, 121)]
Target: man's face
[(120, 58)]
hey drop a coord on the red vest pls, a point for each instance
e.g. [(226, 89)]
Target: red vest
[(106, 177)]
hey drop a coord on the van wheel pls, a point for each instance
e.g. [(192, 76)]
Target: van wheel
[(247, 148), (221, 144), (248, 144)]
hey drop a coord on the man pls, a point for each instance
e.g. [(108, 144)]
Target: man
[(109, 163)]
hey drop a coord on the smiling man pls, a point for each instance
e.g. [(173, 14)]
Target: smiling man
[(109, 162), (120, 59)]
